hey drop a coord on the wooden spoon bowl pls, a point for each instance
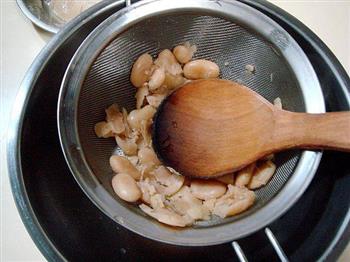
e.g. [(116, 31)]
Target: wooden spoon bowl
[(208, 128)]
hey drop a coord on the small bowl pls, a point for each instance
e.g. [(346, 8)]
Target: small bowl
[(42, 15)]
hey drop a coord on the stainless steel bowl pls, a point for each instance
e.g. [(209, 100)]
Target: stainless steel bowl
[(43, 205), (41, 14), (98, 76)]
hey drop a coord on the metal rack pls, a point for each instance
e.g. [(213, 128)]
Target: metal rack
[(274, 242)]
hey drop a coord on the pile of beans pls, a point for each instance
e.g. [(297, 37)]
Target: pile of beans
[(141, 178)]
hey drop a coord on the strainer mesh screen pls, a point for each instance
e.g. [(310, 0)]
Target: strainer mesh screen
[(231, 46)]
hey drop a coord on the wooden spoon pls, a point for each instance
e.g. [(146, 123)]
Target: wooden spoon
[(208, 128)]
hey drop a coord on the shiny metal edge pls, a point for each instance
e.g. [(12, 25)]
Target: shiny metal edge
[(337, 68), (312, 38), (276, 246), (14, 131), (307, 165), (35, 20), (239, 252), (336, 246)]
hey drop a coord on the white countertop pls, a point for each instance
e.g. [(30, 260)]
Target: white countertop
[(21, 42)]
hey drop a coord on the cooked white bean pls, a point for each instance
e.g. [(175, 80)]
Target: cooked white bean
[(125, 187), (140, 96), (210, 204), (103, 129), (166, 182), (278, 103), (120, 164), (157, 201), (227, 179), (250, 69), (235, 201), (141, 143), (128, 146), (127, 131), (244, 176), (141, 70), (145, 132), (148, 156), (112, 112), (147, 190), (201, 69), (163, 90), (136, 116), (262, 175), (173, 81), (184, 53), (268, 157), (115, 118), (185, 203), (167, 216), (207, 189), (133, 160), (145, 170), (167, 61), (157, 79), (155, 99)]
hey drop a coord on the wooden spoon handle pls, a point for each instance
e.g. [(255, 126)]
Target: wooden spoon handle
[(313, 131)]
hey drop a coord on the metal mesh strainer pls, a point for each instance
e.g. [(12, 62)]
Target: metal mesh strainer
[(229, 33)]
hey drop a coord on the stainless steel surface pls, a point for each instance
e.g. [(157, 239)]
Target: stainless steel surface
[(239, 252), (282, 256), (279, 251), (40, 15), (65, 42), (276, 246), (29, 94), (229, 33)]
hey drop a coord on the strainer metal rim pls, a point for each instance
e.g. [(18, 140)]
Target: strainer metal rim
[(67, 115)]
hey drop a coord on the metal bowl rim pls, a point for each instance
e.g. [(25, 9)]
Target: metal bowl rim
[(13, 148), (37, 21), (14, 131)]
